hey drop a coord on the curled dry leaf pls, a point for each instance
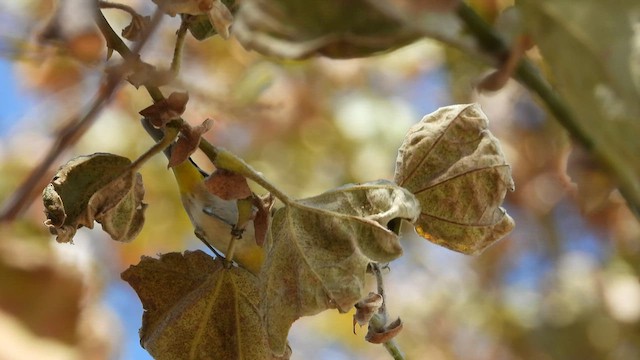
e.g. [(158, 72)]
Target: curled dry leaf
[(163, 111), (136, 28), (366, 308), (262, 217), (318, 250), (456, 169), (334, 28), (96, 187), (385, 334), (142, 73), (195, 308), (188, 141)]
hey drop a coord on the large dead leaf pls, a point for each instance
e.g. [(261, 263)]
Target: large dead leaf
[(197, 309), (593, 49), (456, 169), (96, 187), (319, 248)]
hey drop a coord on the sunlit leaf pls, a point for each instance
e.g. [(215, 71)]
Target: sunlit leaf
[(319, 248), (456, 169)]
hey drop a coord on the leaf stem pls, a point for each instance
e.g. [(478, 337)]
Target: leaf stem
[(181, 35), (527, 74), (227, 160), (170, 134), (379, 320)]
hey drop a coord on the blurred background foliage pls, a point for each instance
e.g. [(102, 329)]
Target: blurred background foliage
[(563, 285)]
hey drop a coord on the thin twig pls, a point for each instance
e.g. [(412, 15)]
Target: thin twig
[(379, 320), (375, 268), (30, 187), (169, 136), (33, 184), (227, 160), (219, 157), (123, 7), (181, 35)]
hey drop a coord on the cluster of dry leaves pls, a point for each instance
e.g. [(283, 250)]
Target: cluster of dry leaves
[(451, 179)]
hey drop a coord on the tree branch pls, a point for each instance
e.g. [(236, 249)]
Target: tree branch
[(35, 181)]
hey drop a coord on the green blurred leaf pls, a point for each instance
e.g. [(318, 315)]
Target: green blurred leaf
[(593, 49), (334, 28)]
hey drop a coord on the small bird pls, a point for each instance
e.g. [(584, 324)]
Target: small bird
[(213, 218)]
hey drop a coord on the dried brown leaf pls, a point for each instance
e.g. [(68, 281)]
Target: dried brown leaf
[(387, 333), (196, 308), (145, 74), (136, 28), (188, 141), (228, 185), (262, 218), (456, 169), (318, 250), (366, 308), (163, 111), (97, 187)]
